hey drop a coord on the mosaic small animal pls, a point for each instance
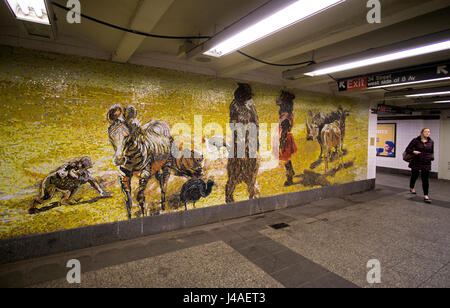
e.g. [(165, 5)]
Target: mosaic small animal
[(187, 163), (67, 179), (194, 189)]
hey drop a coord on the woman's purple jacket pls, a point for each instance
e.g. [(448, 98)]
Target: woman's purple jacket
[(426, 156)]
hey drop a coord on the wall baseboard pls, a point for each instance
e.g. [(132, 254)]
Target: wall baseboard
[(433, 175), (34, 246)]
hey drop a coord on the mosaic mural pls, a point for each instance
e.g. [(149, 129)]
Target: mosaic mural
[(86, 142)]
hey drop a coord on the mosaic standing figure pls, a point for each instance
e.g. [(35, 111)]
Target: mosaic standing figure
[(243, 163), (286, 146)]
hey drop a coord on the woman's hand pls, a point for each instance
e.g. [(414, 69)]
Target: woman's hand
[(416, 153)]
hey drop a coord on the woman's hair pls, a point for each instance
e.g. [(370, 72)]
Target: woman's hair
[(421, 133)]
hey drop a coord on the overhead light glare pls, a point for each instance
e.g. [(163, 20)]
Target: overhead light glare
[(284, 18), (429, 94), (30, 10), (442, 102), (422, 50)]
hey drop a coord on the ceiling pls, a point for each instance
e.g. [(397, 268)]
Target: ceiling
[(339, 31)]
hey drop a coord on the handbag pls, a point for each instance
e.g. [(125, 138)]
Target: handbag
[(408, 157)]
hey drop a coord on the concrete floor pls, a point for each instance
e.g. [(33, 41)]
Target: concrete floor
[(328, 243)]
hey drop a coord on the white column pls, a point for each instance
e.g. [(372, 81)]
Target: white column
[(372, 144), (444, 146)]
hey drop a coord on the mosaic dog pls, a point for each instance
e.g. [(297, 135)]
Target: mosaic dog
[(67, 179)]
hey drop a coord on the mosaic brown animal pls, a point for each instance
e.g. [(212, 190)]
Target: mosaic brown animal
[(315, 124), (67, 179), (243, 163), (331, 136)]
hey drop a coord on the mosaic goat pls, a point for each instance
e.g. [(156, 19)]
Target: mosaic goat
[(315, 124), (331, 136)]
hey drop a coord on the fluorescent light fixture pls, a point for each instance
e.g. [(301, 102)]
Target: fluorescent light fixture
[(30, 10), (411, 83), (442, 102), (429, 94), (284, 18), (422, 50)]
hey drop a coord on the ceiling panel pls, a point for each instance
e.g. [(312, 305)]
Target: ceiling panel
[(336, 32)]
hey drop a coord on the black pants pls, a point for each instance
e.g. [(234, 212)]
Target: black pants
[(425, 181)]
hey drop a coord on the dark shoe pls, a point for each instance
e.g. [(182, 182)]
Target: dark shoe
[(427, 200), (412, 192)]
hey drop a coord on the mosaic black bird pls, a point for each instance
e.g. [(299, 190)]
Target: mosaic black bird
[(194, 189)]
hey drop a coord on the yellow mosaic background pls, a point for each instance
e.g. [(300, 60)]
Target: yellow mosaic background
[(54, 109)]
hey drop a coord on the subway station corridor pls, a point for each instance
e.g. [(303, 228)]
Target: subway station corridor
[(252, 145), (327, 243)]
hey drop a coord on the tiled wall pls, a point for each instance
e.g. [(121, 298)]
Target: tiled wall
[(444, 148), (55, 110), (406, 131)]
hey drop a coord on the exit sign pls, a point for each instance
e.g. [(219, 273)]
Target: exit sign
[(357, 83), (353, 84), (434, 71)]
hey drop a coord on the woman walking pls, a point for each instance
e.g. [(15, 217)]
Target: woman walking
[(422, 148)]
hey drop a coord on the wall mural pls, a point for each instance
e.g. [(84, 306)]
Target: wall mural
[(85, 142)]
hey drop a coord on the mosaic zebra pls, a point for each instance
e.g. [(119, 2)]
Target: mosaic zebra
[(146, 152)]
